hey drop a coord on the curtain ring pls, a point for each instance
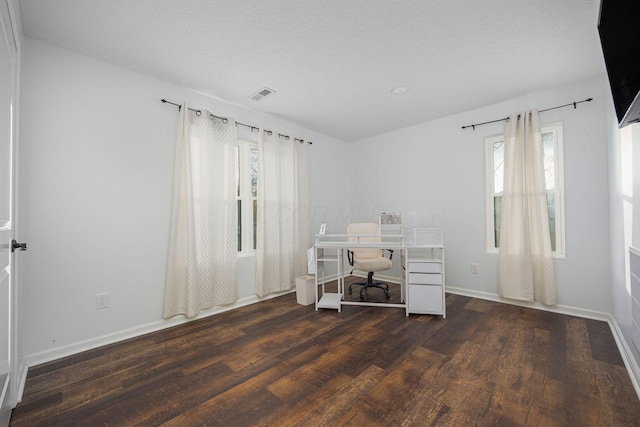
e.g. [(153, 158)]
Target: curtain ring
[(508, 119), (198, 113), (211, 116), (269, 132), (286, 137), (225, 120)]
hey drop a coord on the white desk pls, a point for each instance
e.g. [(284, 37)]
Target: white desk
[(422, 284)]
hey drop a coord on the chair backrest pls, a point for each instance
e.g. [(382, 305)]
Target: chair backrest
[(364, 228)]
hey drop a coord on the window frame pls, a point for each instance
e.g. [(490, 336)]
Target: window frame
[(558, 191), (243, 183)]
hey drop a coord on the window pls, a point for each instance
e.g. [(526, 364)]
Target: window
[(554, 182), (247, 180)]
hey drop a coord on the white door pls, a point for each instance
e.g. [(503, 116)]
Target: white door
[(8, 69)]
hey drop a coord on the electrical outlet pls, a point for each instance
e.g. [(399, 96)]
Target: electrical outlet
[(102, 301), (474, 268)]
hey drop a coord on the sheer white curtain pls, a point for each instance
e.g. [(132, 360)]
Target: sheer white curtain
[(282, 226), (525, 263), (201, 269)]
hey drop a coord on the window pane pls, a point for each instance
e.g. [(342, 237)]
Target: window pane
[(238, 171), (549, 165), (254, 172), (498, 166), (497, 217), (239, 225), (551, 206), (255, 222)]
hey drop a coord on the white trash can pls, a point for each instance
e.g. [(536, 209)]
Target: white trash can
[(305, 292)]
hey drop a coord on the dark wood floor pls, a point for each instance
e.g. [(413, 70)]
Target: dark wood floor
[(278, 363)]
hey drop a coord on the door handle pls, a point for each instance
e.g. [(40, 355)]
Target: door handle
[(20, 246)]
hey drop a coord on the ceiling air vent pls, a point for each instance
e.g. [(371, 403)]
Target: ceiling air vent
[(265, 91)]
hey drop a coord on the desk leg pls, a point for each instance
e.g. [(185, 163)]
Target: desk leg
[(403, 282), (317, 271)]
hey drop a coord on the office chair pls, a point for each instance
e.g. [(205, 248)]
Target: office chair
[(367, 259)]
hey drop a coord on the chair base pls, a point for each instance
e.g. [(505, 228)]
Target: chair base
[(371, 284)]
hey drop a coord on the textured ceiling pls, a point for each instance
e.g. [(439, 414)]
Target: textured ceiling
[(333, 63)]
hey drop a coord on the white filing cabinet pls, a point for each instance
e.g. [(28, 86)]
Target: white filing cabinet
[(423, 276)]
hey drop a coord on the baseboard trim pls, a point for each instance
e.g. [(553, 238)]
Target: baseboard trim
[(22, 379), (68, 350), (625, 352), (561, 309)]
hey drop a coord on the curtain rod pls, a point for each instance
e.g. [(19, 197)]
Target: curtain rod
[(225, 120), (506, 119)]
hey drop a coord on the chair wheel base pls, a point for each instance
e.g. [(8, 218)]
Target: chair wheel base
[(383, 286), (370, 284)]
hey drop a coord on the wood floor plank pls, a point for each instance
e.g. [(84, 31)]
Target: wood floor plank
[(603, 345), (613, 398), (342, 401), (280, 363), (578, 345), (404, 388)]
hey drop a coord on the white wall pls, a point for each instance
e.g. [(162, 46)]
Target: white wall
[(96, 175), (437, 166)]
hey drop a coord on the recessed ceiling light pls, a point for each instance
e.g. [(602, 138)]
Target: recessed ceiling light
[(398, 90)]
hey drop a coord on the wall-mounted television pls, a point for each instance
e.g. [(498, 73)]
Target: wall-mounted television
[(619, 30)]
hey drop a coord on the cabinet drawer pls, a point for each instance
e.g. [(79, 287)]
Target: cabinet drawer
[(425, 267), (425, 278), (425, 299)]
